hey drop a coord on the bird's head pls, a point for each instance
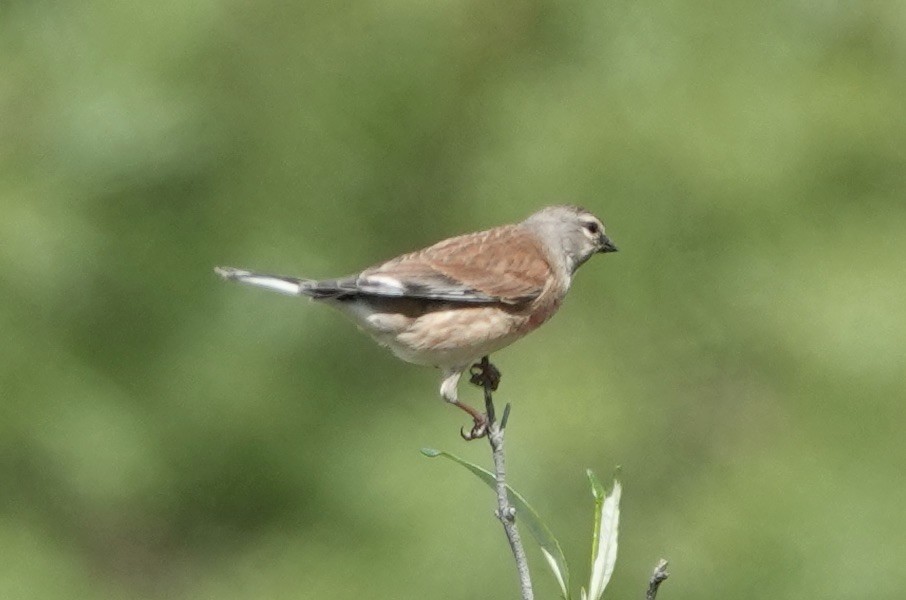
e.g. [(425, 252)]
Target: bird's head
[(572, 232)]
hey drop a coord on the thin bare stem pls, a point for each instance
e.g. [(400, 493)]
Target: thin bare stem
[(657, 578), (505, 511)]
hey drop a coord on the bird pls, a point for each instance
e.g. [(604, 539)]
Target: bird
[(463, 298)]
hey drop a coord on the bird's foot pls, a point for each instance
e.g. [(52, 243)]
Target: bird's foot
[(485, 374), (479, 429)]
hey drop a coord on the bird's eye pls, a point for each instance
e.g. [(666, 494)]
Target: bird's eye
[(592, 227)]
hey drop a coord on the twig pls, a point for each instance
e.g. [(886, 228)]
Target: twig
[(505, 511), (657, 578)]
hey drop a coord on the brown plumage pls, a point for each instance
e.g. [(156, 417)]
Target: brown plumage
[(511, 272)]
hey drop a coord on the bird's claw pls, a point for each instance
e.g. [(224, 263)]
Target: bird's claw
[(479, 430), (484, 374)]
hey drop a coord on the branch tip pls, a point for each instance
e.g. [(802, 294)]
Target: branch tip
[(506, 416), (657, 578)]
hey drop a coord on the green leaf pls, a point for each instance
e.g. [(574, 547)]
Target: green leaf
[(604, 537), (597, 489), (550, 547)]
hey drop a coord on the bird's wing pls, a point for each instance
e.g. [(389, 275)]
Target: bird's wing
[(505, 264)]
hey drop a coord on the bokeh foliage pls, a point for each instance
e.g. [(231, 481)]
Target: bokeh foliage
[(164, 435)]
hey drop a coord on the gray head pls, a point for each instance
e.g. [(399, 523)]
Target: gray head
[(572, 230)]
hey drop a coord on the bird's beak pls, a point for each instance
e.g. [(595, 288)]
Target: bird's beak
[(607, 245)]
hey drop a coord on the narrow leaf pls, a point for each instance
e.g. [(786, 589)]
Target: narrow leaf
[(604, 540), (558, 573), (550, 547), (599, 494)]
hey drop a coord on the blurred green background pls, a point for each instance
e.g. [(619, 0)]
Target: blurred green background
[(165, 435)]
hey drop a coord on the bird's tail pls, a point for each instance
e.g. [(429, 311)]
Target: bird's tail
[(291, 286)]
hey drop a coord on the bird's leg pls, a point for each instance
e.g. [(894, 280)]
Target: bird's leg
[(485, 375), (448, 392), (480, 426)]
